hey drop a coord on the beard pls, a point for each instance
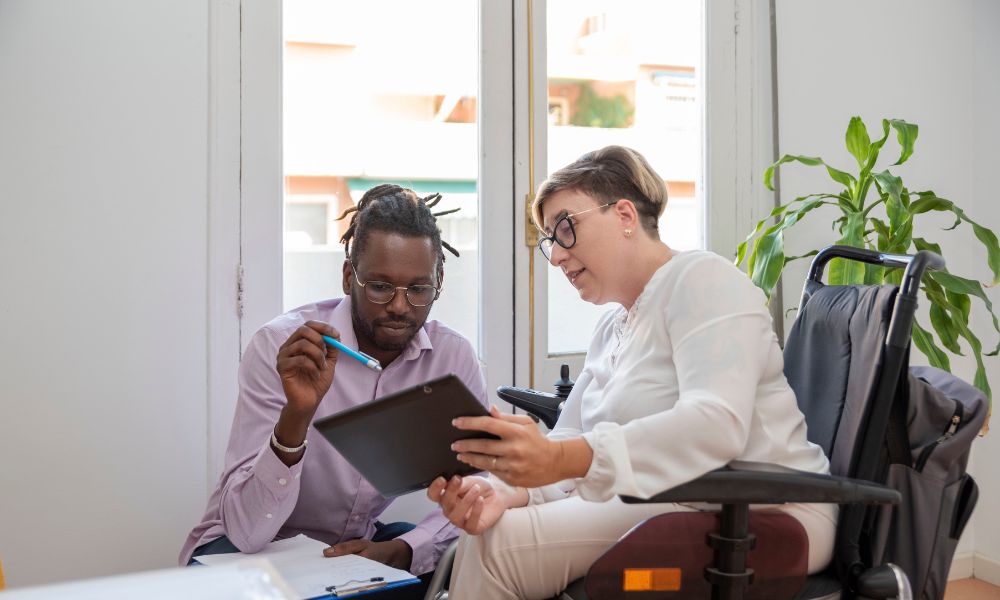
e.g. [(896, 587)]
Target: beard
[(367, 329)]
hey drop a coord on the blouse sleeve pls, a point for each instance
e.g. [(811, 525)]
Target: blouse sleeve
[(570, 423), (567, 427), (721, 339)]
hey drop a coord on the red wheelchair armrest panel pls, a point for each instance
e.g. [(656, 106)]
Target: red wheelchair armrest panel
[(666, 556)]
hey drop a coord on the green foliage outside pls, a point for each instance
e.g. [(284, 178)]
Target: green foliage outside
[(592, 110)]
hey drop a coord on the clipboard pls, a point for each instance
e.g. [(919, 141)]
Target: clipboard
[(299, 561), (402, 442), (355, 589)]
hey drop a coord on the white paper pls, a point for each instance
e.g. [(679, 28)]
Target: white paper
[(249, 579), (301, 562)]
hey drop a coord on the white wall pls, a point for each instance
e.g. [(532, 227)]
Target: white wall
[(103, 271), (928, 62), (985, 156)]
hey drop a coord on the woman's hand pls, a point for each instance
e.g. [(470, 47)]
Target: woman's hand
[(522, 456), (471, 503)]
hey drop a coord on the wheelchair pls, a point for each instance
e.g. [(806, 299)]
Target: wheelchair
[(846, 359)]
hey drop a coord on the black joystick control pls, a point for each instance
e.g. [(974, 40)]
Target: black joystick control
[(564, 384)]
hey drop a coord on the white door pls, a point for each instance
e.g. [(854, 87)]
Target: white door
[(687, 84)]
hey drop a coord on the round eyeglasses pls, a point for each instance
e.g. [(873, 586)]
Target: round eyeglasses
[(381, 292), (563, 232)]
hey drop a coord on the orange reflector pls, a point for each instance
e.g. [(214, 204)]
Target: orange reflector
[(651, 580)]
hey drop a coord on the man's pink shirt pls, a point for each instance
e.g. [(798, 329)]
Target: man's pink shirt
[(259, 499)]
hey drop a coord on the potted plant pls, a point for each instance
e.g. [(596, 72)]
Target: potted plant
[(876, 210)]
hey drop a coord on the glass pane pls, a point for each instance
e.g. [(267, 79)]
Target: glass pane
[(379, 92), (625, 72)]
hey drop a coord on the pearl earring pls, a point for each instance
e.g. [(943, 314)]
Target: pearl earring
[(628, 233)]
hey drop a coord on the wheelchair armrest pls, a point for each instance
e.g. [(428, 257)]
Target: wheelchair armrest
[(540, 404), (770, 484)]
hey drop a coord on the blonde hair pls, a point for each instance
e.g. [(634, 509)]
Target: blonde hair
[(606, 175)]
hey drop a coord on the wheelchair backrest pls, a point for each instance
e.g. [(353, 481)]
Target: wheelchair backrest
[(833, 360)]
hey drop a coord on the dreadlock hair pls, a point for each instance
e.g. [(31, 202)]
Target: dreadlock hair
[(394, 209)]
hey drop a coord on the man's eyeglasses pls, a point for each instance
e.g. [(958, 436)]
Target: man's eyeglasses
[(563, 232), (381, 292)]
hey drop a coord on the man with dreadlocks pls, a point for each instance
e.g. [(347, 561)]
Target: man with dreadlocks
[(272, 485)]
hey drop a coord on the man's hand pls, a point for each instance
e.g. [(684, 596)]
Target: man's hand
[(395, 553), (471, 503), (305, 365)]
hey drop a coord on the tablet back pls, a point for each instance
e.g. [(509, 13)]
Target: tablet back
[(402, 441)]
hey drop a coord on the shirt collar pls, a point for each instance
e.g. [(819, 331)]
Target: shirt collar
[(342, 322)]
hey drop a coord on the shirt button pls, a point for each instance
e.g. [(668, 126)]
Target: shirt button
[(269, 516), (297, 475), (282, 481)]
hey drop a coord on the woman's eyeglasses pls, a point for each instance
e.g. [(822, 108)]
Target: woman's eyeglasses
[(563, 232), (381, 292)]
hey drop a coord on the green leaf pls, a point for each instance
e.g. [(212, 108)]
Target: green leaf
[(889, 184), (844, 272), (941, 321), (966, 287), (989, 240), (883, 233), (929, 203), (742, 248), (845, 204), (901, 238), (769, 172), (873, 274), (845, 179), (789, 259), (767, 259), (962, 303), (769, 253), (874, 149), (776, 212), (906, 135), (858, 142), (923, 244), (979, 379), (924, 342)]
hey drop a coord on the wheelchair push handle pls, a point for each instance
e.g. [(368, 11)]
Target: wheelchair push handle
[(906, 301), (915, 265)]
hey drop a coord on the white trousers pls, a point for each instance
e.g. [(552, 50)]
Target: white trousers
[(534, 552)]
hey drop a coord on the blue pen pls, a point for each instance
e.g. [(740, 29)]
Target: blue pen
[(361, 357)]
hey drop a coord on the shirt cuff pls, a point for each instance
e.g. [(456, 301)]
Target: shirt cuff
[(607, 440), (424, 559), (276, 476), (553, 491)]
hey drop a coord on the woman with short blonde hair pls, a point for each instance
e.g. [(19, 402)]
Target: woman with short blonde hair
[(681, 378)]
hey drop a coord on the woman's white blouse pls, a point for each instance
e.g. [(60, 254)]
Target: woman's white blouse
[(686, 382)]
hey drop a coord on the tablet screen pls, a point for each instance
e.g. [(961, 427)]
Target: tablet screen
[(402, 442)]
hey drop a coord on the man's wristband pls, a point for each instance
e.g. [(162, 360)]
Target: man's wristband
[(277, 445)]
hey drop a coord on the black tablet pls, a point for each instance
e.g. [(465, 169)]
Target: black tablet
[(402, 441)]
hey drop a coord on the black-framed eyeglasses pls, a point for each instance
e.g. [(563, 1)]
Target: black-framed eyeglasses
[(381, 292), (563, 232)]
